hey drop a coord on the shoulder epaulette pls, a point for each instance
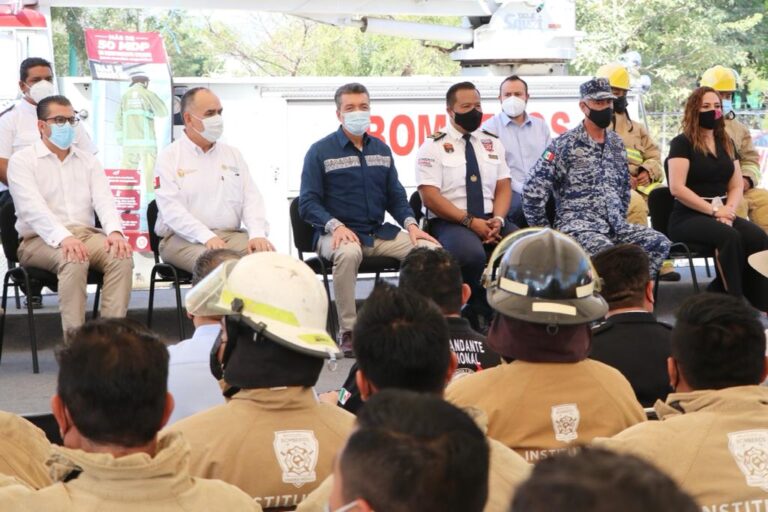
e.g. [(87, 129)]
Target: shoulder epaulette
[(491, 134), (7, 110), (437, 135)]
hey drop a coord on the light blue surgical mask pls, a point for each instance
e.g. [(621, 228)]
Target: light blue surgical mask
[(357, 122), (727, 106), (62, 136)]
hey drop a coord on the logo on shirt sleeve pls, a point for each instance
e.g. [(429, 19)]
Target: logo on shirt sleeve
[(749, 449), (378, 160), (548, 156), (157, 182), (296, 452), (334, 164), (565, 422)]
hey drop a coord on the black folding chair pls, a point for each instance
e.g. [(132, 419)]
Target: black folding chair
[(164, 273), (303, 235), (18, 275), (660, 205)]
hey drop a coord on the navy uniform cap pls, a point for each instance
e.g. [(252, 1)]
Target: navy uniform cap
[(596, 89)]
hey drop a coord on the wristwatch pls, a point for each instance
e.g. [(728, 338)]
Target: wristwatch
[(467, 220)]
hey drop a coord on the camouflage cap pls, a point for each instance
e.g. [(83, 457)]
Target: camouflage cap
[(596, 89)]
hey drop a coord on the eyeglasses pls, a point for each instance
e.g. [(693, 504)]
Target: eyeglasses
[(61, 120)]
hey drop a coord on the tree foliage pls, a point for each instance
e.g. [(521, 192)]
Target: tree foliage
[(678, 40)]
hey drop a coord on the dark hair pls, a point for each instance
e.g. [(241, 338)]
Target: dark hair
[(589, 479), (209, 260), (513, 78), (32, 62), (450, 96), (695, 133), (189, 97), (113, 377), (624, 271), (401, 340), (351, 88), (415, 452), (43, 106), (718, 342), (434, 274)]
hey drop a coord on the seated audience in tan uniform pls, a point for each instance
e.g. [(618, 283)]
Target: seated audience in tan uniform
[(273, 438), (403, 343), (110, 403), (23, 451), (631, 339), (411, 452), (548, 396), (712, 437), (598, 480)]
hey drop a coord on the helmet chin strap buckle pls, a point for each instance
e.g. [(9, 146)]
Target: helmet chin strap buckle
[(333, 364)]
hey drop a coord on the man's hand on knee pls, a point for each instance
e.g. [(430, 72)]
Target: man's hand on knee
[(215, 243), (117, 246), (417, 234), (259, 245), (74, 250), (341, 235)]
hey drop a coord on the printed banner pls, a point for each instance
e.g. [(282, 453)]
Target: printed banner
[(131, 119)]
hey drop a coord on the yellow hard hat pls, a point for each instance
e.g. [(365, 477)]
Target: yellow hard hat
[(719, 78), (616, 74)]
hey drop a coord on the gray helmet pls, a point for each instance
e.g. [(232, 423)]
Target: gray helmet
[(544, 277)]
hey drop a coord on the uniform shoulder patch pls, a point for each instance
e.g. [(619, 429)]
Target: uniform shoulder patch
[(6, 110), (490, 133), (438, 135), (547, 156)]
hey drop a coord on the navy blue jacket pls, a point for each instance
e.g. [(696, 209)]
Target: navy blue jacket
[(356, 187)]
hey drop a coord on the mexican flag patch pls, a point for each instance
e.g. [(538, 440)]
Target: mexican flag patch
[(157, 182), (548, 156)]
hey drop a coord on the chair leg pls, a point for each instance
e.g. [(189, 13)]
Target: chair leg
[(32, 334), (96, 300), (179, 312), (693, 272), (706, 264), (3, 304), (18, 298), (151, 304)]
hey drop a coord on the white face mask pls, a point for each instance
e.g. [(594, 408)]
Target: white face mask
[(213, 127), (41, 90), (513, 106)]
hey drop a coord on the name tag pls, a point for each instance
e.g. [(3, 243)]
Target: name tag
[(334, 164)]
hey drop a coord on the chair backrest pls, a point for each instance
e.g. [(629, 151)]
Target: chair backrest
[(8, 234), (416, 206), (47, 423), (154, 240), (660, 204), (303, 232)]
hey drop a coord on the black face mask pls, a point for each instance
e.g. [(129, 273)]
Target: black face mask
[(470, 121), (707, 119), (602, 118), (620, 105)]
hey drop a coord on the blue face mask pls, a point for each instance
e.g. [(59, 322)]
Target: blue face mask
[(727, 106), (357, 122), (62, 136)]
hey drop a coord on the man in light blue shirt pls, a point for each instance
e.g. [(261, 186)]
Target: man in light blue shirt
[(190, 381), (524, 139)]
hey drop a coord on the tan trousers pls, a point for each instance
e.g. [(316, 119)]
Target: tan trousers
[(346, 260), (637, 213), (754, 206), (183, 254), (73, 276)]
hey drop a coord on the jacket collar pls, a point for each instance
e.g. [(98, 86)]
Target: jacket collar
[(283, 398), (736, 399), (343, 140), (136, 476), (631, 317)]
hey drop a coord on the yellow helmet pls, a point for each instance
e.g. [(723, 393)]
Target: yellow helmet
[(719, 78), (617, 75)]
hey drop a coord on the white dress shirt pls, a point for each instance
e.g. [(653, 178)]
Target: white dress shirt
[(199, 191), (524, 144), (442, 164), (190, 381), (51, 194), (18, 130)]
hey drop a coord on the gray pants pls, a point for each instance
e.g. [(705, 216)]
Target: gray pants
[(183, 254)]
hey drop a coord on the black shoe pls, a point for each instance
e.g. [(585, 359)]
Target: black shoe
[(346, 345), (669, 277), (36, 301)]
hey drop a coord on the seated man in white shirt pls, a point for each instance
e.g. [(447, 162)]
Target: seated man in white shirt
[(204, 190), (190, 381), (57, 189)]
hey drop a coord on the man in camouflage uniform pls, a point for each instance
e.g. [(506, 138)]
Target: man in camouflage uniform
[(755, 203), (586, 171)]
